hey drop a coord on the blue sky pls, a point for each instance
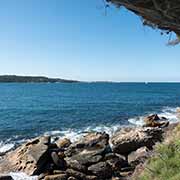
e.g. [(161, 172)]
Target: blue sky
[(76, 40)]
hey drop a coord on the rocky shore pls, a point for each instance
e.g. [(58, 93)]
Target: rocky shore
[(95, 156)]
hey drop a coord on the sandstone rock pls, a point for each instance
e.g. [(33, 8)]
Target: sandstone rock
[(63, 143), (102, 170), (130, 139), (92, 140), (29, 158), (138, 156), (56, 177), (89, 150)]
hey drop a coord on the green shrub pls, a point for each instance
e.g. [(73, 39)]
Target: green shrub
[(165, 165)]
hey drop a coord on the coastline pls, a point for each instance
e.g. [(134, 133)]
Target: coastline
[(89, 142)]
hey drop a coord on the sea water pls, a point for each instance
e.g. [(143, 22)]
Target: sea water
[(71, 109)]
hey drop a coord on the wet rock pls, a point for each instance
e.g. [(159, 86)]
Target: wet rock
[(130, 139), (56, 177), (29, 158), (63, 143), (155, 121), (76, 174), (101, 170)]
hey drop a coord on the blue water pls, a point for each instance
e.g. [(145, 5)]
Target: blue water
[(28, 110)]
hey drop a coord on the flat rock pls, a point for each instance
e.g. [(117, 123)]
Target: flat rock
[(56, 177), (130, 139), (88, 150), (29, 158)]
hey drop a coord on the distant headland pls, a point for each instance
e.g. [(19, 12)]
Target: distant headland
[(32, 79)]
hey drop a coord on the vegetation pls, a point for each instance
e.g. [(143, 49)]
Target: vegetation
[(165, 165), (33, 79)]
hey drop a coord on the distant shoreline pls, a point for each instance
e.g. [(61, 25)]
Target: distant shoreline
[(32, 79), (44, 79)]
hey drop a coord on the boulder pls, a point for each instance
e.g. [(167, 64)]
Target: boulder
[(155, 121), (102, 170), (29, 158), (63, 143), (139, 156), (115, 161), (58, 161), (75, 164), (88, 150), (130, 139)]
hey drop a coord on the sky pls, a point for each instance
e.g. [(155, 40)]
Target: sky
[(78, 39)]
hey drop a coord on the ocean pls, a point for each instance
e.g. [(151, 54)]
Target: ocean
[(71, 109)]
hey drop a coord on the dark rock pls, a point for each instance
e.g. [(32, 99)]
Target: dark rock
[(60, 163), (56, 177), (115, 161), (5, 177), (72, 178), (92, 178), (130, 139), (76, 174), (101, 170)]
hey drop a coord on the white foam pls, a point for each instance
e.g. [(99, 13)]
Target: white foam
[(22, 176), (138, 121), (170, 113), (74, 134), (167, 112), (5, 147)]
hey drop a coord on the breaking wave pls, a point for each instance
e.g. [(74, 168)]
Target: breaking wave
[(168, 112)]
